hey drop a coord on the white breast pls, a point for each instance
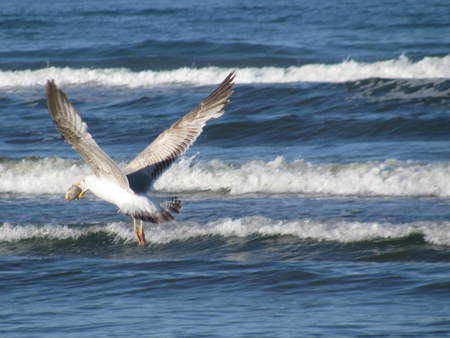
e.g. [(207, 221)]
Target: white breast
[(128, 202)]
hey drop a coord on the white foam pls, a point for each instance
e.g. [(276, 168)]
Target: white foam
[(377, 178), (380, 178), (331, 230), (40, 176), (349, 70), (15, 233)]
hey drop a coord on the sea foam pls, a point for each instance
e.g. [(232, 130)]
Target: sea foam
[(40, 176), (374, 178), (348, 70), (437, 233), (277, 176)]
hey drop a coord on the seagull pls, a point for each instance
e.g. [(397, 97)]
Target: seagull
[(128, 188)]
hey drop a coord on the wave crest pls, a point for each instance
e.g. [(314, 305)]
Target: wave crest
[(374, 178), (349, 70), (437, 233)]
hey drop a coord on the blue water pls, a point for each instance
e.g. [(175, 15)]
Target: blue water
[(318, 205)]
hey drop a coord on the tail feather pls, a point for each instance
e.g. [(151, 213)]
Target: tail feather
[(161, 215), (173, 205)]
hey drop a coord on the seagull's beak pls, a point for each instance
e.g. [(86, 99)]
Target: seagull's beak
[(74, 192)]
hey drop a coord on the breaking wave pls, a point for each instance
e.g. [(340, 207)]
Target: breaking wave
[(349, 70), (437, 233), (373, 178)]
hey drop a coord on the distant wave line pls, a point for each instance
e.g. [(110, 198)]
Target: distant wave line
[(348, 70)]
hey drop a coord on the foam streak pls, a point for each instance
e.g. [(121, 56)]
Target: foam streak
[(349, 70), (437, 233), (374, 178)]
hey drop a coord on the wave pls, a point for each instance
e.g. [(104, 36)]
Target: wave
[(436, 233), (349, 70), (373, 178), (40, 175)]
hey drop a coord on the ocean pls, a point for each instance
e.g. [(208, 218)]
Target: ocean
[(318, 205)]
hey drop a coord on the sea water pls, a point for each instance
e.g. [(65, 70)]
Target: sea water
[(317, 205)]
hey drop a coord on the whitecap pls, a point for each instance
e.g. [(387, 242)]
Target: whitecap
[(436, 233), (278, 176), (348, 70)]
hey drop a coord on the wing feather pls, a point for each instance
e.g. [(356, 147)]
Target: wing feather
[(148, 165), (74, 131)]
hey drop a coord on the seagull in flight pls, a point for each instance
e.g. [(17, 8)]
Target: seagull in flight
[(128, 188)]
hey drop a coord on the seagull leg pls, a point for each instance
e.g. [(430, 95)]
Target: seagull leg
[(135, 230), (142, 234)]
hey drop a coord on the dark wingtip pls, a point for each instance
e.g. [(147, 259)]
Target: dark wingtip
[(50, 88), (230, 78), (50, 83)]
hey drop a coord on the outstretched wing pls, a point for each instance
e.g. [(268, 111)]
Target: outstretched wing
[(74, 131), (146, 167)]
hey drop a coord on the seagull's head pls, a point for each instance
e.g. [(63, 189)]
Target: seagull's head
[(74, 192)]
